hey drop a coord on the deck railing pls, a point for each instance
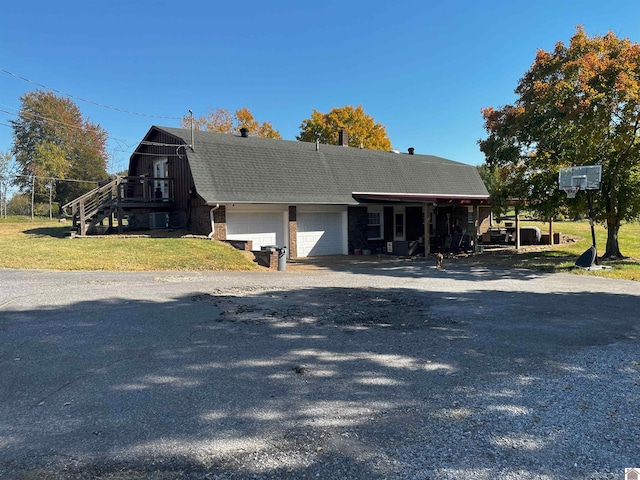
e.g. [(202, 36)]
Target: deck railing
[(94, 205)]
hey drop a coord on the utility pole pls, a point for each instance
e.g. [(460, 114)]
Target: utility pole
[(191, 120), (33, 194), (50, 190)]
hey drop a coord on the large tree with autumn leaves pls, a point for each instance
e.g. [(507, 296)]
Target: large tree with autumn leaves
[(362, 129), (577, 105), (52, 142), (223, 121)]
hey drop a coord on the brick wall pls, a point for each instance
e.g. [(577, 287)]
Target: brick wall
[(201, 221), (358, 228), (220, 223)]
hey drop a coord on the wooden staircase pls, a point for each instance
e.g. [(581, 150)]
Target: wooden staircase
[(90, 210)]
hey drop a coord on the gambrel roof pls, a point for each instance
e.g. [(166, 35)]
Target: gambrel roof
[(235, 169)]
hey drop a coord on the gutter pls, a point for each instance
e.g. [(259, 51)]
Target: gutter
[(425, 196)]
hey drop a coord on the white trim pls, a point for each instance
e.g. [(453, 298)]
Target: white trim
[(345, 233)]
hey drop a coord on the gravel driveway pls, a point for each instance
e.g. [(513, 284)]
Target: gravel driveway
[(396, 370)]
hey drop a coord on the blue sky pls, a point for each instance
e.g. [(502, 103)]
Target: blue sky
[(422, 69)]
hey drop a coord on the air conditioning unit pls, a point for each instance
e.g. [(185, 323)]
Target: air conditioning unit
[(158, 220)]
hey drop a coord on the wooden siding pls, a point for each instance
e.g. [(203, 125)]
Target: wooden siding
[(141, 163)]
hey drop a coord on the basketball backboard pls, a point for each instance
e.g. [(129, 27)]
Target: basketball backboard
[(588, 177)]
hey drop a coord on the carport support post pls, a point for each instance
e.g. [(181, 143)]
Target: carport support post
[(476, 216), (427, 223)]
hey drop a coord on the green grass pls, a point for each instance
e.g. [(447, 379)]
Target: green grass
[(563, 257), (41, 244)]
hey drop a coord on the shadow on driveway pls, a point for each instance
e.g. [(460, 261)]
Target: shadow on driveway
[(358, 383)]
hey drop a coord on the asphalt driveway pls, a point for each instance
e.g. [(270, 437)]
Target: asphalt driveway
[(364, 371)]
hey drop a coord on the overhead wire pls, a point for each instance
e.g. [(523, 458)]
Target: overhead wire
[(121, 110), (15, 175), (129, 144)]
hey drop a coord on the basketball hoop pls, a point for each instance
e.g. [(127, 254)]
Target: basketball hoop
[(571, 190)]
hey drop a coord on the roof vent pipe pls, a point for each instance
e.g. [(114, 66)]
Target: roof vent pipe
[(411, 150), (317, 145), (244, 132)]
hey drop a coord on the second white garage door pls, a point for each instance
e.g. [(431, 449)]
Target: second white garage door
[(319, 233)]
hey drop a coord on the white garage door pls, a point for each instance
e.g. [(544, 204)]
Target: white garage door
[(319, 233), (263, 228)]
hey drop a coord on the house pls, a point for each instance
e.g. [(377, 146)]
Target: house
[(315, 199)]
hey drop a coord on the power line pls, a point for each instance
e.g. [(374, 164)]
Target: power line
[(55, 178), (36, 115), (85, 100), (129, 144)]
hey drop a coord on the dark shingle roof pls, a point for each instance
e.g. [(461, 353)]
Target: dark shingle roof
[(230, 168)]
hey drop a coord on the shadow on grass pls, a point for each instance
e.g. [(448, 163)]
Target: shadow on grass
[(54, 232)]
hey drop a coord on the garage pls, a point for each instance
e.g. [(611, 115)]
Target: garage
[(262, 227), (321, 233)]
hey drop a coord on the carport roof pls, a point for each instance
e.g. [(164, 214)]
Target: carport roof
[(231, 168)]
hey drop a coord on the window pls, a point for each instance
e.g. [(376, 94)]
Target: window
[(374, 225)]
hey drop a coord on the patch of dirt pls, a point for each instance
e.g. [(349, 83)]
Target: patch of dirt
[(368, 308)]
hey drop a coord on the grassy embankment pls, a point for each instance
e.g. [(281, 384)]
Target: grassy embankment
[(41, 244)]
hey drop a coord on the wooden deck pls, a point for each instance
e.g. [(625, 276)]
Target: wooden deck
[(110, 200)]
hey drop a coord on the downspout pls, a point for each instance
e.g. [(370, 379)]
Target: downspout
[(213, 224)]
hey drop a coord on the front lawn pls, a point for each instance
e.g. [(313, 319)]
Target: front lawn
[(41, 244)]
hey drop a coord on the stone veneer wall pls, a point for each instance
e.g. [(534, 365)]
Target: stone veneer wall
[(293, 233)]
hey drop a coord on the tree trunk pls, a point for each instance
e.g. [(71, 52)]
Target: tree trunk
[(613, 248)]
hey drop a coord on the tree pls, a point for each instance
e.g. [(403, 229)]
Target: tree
[(362, 129), (222, 121), (494, 179), (53, 140), (7, 174), (577, 105)]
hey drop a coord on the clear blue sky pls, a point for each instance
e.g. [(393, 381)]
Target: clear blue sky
[(424, 69)]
